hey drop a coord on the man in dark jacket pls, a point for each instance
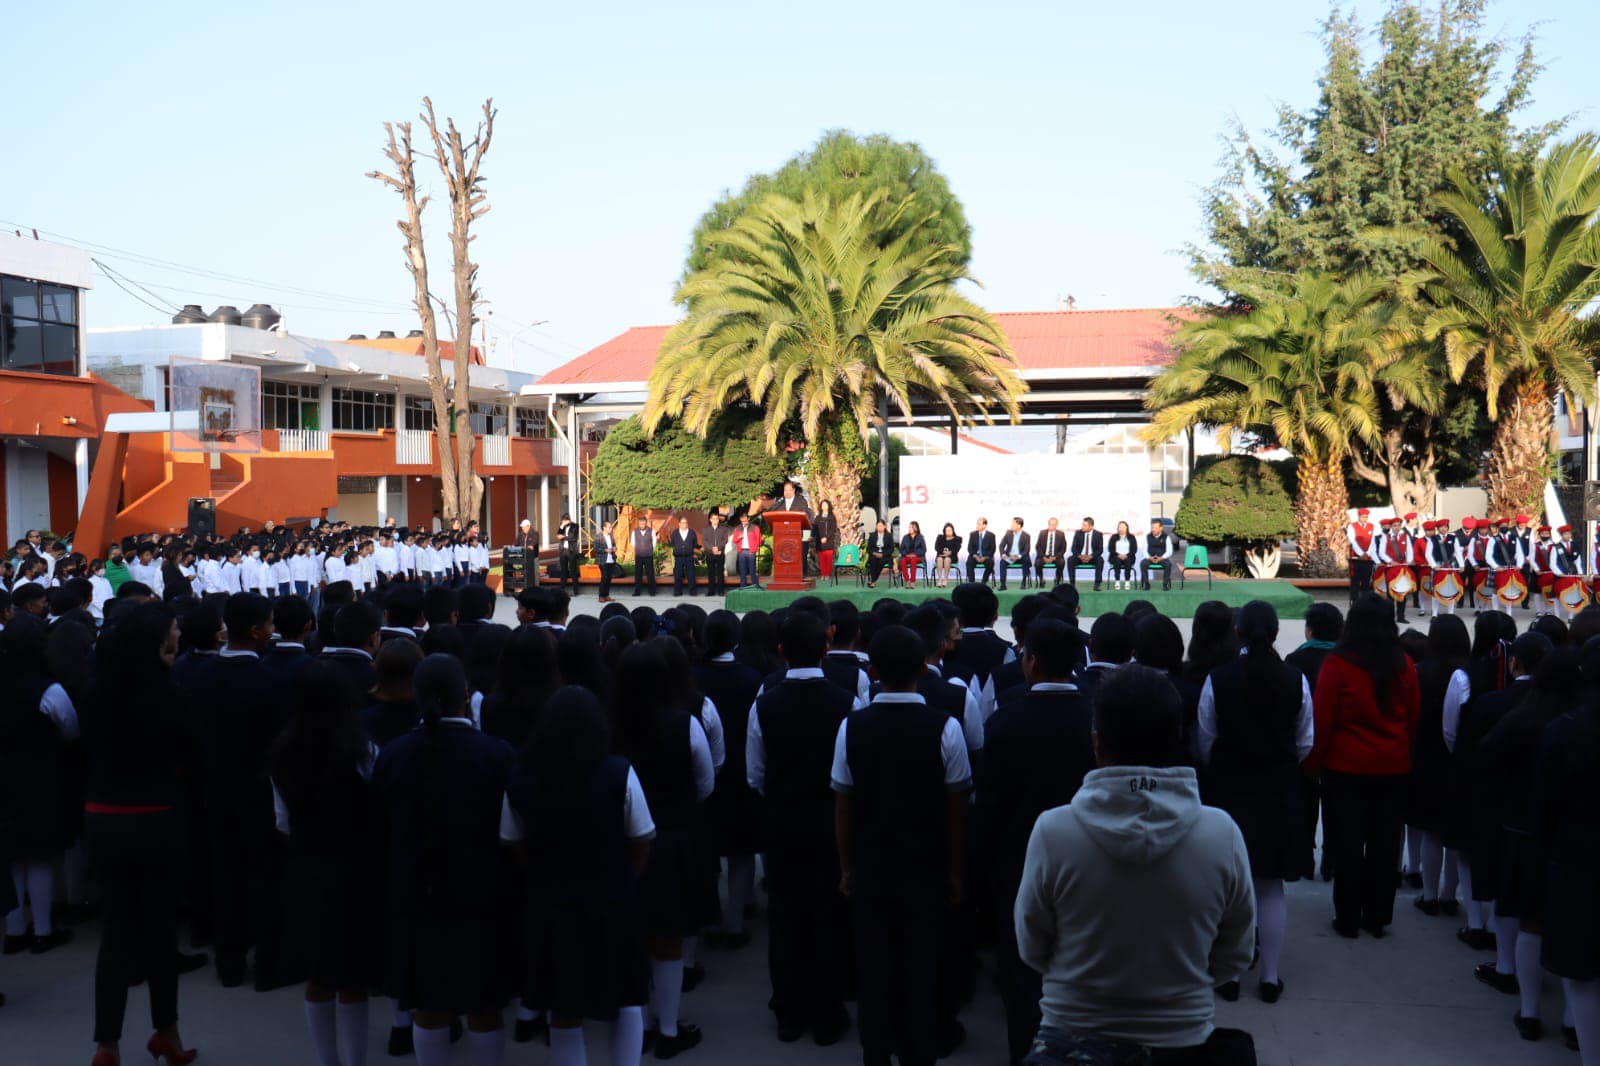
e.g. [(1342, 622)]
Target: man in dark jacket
[(1088, 549), (980, 552), (1014, 552), (715, 541), (644, 557), (684, 545)]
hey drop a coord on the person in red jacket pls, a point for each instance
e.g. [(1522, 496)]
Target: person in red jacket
[(1366, 705)]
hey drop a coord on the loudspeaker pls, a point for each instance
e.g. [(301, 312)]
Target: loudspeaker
[(202, 516)]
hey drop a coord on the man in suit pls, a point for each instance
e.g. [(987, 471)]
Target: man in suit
[(1052, 547), (715, 542), (1036, 753), (1014, 549), (1088, 549), (605, 553), (791, 500), (568, 531), (684, 545), (644, 558), (1159, 547), (980, 552)]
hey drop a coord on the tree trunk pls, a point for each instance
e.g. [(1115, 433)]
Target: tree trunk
[(1320, 513), (1519, 451), (836, 479)]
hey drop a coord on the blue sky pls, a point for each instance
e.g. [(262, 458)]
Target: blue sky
[(1077, 135)]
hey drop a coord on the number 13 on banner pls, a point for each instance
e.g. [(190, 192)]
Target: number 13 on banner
[(914, 494)]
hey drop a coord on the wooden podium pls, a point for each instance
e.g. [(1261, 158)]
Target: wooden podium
[(788, 550)]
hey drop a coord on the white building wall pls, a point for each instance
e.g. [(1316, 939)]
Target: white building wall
[(27, 491)]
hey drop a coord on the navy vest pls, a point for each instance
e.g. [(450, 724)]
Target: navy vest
[(899, 800)]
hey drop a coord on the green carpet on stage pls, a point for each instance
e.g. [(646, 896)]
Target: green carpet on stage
[(1290, 601)]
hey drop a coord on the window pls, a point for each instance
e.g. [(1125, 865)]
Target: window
[(38, 327), (419, 412), (488, 418), (359, 411), (531, 422), (288, 406)]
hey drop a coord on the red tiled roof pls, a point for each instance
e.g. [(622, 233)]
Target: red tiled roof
[(1042, 341)]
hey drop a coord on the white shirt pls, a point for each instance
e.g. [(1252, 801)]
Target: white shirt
[(705, 772), (302, 568), (386, 560), (952, 746), (636, 821), (57, 706), (407, 556), (1206, 732), (336, 569), (102, 596), (230, 576), (972, 716), (1456, 695)]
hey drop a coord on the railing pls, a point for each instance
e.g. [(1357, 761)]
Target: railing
[(560, 452), (496, 450), (302, 440), (412, 447)]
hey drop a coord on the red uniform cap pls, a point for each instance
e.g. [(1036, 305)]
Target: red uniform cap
[(1387, 521), (1523, 519), (1564, 529), (1430, 525), (1544, 529), (1468, 522), (1412, 517), (1362, 511)]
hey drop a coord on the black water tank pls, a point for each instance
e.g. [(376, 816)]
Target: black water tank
[(414, 333), (227, 314), (190, 314), (260, 316), (386, 334), (356, 337)]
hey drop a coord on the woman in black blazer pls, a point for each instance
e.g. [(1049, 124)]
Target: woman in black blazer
[(946, 547), (825, 535), (880, 552)]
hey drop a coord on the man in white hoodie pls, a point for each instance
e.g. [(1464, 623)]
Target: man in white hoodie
[(1136, 900)]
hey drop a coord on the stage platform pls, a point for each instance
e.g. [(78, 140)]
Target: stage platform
[(1290, 601)]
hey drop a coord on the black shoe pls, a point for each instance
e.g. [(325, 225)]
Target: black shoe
[(735, 941), (400, 1041), (1097, 586), (826, 1034), (1228, 992), (1375, 931), (1569, 1035), (1348, 931), (1270, 993), (457, 1030), (1412, 880), (689, 1036), (1449, 908), (1476, 939), (1527, 1028), (16, 945), (790, 1031), (1430, 907), (189, 963), (50, 941), (1504, 983), (650, 1036), (692, 976), (528, 1028), (949, 1036)]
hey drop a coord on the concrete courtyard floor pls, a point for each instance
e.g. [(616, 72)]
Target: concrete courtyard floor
[(1407, 999)]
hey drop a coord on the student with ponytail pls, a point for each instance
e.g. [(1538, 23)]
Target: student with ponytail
[(1255, 727), (577, 816), (437, 795)]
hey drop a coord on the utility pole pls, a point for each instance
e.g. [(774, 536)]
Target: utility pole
[(883, 455)]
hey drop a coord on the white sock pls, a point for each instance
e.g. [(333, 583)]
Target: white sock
[(691, 947), (1475, 918), (1584, 998), (1272, 923), (741, 886), (566, 1047), (1413, 863), (319, 1019), (666, 992), (525, 1013), (1447, 883), (1530, 975), (488, 1049), (627, 1037), (433, 1045), (399, 1019), (1432, 865), (353, 1033), (1505, 945)]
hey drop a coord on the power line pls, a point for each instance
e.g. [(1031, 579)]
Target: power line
[(290, 305), (118, 283)]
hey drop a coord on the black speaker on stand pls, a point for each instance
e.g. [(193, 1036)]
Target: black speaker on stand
[(202, 516)]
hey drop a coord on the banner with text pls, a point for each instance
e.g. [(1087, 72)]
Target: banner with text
[(935, 489)]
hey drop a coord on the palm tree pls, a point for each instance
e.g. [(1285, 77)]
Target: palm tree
[(1504, 295), (1305, 366), (814, 317)]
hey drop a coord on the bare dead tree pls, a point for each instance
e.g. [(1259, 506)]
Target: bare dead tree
[(460, 161), (404, 181)]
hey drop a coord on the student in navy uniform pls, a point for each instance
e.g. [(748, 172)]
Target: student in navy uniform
[(351, 643), (293, 623), (1110, 646), (684, 544), (980, 651), (789, 757), (731, 686), (320, 769), (1037, 749), (1435, 781), (1324, 624), (577, 816), (391, 710), (437, 796), (669, 751), (902, 777), (1255, 727), (526, 679)]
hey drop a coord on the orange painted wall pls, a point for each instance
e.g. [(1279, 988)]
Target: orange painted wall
[(419, 502), (62, 480), (502, 510)]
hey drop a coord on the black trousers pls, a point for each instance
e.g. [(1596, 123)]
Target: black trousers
[(605, 580), (1020, 985), (683, 574), (898, 941), (876, 565), (973, 566), (1145, 566), (569, 568), (1361, 578), (716, 574), (139, 859), (1039, 567), (806, 930), (644, 573), (247, 863), (1098, 562), (1363, 818)]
